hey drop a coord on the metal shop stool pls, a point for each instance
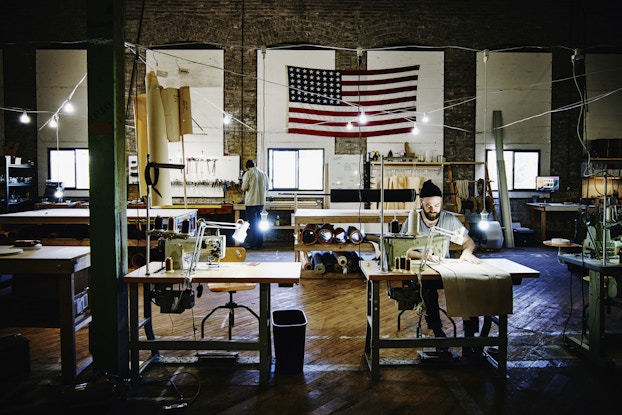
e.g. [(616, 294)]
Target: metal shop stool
[(233, 254)]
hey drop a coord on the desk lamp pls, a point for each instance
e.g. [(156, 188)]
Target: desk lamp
[(184, 298)]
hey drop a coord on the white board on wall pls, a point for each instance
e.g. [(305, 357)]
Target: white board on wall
[(345, 171)]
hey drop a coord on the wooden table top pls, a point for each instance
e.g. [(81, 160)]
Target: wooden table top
[(47, 260), (71, 216), (373, 273), (257, 272)]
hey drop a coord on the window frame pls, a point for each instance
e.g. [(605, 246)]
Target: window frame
[(511, 187), (296, 188), (76, 171)]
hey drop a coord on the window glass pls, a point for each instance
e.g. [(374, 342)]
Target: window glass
[(526, 168), (521, 169), (70, 166), (296, 169), (311, 164)]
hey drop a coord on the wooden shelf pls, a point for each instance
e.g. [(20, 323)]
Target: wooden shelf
[(309, 273), (426, 163), (334, 247)]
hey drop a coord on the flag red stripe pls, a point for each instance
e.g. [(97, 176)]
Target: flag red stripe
[(342, 124), (354, 113), (350, 134)]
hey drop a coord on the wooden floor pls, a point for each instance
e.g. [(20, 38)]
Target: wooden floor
[(545, 377)]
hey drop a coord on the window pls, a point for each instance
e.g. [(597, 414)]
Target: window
[(521, 169), (70, 166), (296, 169)]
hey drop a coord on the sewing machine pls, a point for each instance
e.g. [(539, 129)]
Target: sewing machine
[(396, 247), (212, 249), (598, 233)]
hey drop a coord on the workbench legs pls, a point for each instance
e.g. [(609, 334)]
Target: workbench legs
[(373, 342)]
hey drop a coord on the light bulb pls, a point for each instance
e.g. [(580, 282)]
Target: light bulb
[(58, 194), (349, 125), (425, 117), (362, 118), (24, 118), (68, 107), (263, 223), (483, 223), (415, 129), (226, 119), (53, 122)]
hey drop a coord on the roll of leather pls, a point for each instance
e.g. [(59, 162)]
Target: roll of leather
[(342, 260), (318, 265), (341, 237), (325, 234), (309, 235), (329, 261), (355, 236)]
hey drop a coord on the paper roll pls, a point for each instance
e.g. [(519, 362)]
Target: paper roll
[(142, 140), (158, 144), (170, 104), (185, 110)]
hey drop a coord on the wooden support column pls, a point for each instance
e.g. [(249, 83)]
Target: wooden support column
[(108, 184)]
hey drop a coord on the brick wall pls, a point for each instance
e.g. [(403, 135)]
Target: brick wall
[(240, 27)]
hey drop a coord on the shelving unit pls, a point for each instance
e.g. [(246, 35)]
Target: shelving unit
[(283, 208), (592, 186), (18, 187), (337, 216), (444, 167)]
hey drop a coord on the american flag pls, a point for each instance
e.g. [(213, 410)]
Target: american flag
[(322, 102)]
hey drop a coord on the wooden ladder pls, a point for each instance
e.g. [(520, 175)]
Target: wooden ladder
[(452, 188)]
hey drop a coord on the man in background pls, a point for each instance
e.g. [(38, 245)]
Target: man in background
[(254, 185)]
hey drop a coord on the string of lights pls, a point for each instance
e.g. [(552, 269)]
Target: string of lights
[(66, 107)]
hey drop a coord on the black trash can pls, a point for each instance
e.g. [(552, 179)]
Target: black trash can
[(288, 327)]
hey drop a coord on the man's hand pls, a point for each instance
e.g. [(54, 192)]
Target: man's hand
[(469, 257)]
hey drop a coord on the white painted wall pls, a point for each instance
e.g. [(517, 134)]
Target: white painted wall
[(604, 95), (518, 85), (58, 73)]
